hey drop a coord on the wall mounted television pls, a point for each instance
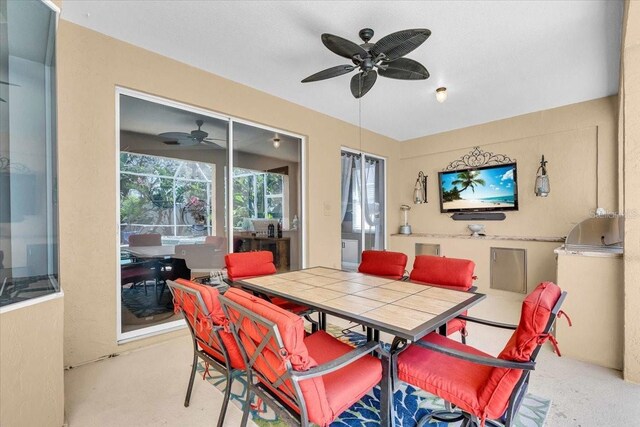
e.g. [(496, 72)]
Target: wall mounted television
[(481, 189)]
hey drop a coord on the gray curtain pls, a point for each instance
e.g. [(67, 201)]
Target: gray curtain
[(347, 168)]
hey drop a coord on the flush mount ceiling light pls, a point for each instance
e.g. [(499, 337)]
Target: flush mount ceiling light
[(441, 94)]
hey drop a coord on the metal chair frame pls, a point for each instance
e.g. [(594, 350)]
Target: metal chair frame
[(449, 414), (271, 340), (224, 367)]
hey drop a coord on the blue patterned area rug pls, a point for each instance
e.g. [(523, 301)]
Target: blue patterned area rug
[(411, 404)]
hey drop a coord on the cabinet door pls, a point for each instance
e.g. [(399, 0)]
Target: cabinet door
[(509, 269), (427, 249)]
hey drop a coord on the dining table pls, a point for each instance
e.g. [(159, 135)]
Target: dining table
[(403, 309), (145, 252)]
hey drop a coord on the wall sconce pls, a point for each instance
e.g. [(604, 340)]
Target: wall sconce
[(542, 180), (420, 190)]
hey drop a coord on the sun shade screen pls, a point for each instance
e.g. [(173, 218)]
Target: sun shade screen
[(443, 271), (249, 264)]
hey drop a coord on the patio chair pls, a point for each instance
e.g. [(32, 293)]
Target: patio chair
[(217, 348), (480, 389), (450, 273), (245, 265), (149, 239), (303, 379), (220, 242), (386, 264)]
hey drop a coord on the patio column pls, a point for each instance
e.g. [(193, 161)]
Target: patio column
[(630, 149)]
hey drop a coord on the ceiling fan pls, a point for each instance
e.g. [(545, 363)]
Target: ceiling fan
[(196, 136), (385, 56)]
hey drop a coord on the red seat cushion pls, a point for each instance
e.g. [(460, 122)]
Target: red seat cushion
[(206, 342), (481, 390), (345, 386), (244, 265), (383, 263), (435, 270)]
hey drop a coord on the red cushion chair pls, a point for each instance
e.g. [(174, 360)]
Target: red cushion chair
[(316, 377), (478, 384), (203, 313), (451, 273), (245, 265), (386, 264)]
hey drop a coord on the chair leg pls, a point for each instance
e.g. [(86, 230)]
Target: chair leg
[(191, 378), (247, 403), (225, 401)]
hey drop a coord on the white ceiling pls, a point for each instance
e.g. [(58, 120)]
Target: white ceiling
[(498, 59)]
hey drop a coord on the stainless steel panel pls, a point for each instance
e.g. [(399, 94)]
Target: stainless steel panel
[(427, 249), (602, 232), (509, 269)]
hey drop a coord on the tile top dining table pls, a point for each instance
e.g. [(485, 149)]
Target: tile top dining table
[(408, 311)]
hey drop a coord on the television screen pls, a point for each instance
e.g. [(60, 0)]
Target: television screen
[(489, 188)]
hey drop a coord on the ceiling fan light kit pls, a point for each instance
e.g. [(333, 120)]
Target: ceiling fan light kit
[(276, 143), (385, 57)]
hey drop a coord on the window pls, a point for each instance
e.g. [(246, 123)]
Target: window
[(28, 193), (167, 196), (259, 195)]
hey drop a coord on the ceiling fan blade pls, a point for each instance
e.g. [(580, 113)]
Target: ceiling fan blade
[(404, 69), (343, 47), (209, 143), (400, 43), (329, 72), (175, 135), (361, 84), (2, 82), (174, 142)]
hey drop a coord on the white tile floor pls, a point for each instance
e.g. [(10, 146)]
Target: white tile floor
[(146, 387)]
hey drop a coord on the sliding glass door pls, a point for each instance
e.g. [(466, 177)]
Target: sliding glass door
[(194, 186), (363, 183)]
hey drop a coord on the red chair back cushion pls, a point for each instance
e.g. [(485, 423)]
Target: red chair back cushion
[(383, 263), (435, 270), (291, 329), (249, 264), (536, 310), (203, 325)]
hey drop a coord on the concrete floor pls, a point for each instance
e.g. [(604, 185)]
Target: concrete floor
[(146, 387)]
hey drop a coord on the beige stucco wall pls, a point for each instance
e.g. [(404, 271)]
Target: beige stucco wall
[(90, 67), (580, 143), (630, 141), (31, 374)]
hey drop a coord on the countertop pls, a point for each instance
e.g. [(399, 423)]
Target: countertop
[(487, 237)]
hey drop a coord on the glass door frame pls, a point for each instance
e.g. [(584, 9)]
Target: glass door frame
[(362, 155), (124, 337)]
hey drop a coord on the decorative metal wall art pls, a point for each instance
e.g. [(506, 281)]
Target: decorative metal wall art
[(476, 158)]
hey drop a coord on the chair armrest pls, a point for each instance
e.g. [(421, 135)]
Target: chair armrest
[(488, 322), (335, 364), (481, 360), (473, 289)]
